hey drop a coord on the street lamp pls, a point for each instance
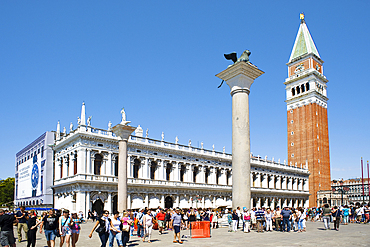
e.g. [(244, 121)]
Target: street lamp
[(342, 189)]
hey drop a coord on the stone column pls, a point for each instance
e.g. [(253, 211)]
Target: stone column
[(88, 161), (57, 166), (129, 201), (87, 203), (240, 77), (81, 161), (65, 166), (80, 201), (123, 132), (108, 203), (108, 165)]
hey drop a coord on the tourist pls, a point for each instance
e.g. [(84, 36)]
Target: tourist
[(260, 214), (176, 224), (76, 227), (286, 214), (185, 218), (214, 219), (301, 218), (115, 231), (161, 216), (268, 220), (95, 215), (246, 219), (235, 220), (22, 217), (65, 230), (326, 213), (148, 226), (90, 215), (336, 217), (346, 212), (126, 223), (239, 216), (230, 221), (103, 229), (140, 226), (192, 216), (32, 224), (294, 220), (277, 218), (253, 218), (6, 225), (50, 223)]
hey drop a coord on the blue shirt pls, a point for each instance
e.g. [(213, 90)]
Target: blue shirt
[(23, 219), (176, 219)]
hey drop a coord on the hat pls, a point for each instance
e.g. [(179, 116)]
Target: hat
[(277, 207), (245, 209)]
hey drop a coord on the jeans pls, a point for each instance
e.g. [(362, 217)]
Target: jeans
[(286, 223), (125, 238), (326, 220), (103, 238), (117, 236), (300, 224), (140, 230)]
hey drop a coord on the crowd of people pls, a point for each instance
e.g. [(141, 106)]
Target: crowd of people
[(119, 227)]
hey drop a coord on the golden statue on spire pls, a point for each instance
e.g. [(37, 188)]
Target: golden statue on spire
[(301, 16)]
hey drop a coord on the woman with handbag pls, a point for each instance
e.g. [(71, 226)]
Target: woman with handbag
[(148, 225), (103, 230), (115, 230), (65, 230), (126, 223)]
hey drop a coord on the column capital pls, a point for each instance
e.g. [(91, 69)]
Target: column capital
[(123, 131)]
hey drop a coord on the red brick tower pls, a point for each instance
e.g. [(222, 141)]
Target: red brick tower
[(306, 98)]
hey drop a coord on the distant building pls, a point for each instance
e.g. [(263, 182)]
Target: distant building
[(34, 173), (306, 98)]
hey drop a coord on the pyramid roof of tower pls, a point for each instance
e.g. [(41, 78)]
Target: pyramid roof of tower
[(303, 44)]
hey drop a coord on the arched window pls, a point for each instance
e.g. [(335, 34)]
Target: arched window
[(307, 86), (182, 173), (116, 166), (137, 163), (298, 90), (75, 165), (228, 176), (302, 88), (293, 91), (195, 172), (168, 171), (61, 167), (218, 175), (97, 164), (206, 175), (153, 168)]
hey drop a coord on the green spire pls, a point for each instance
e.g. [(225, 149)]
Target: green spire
[(303, 44)]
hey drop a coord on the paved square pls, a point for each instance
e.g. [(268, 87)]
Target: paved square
[(349, 235)]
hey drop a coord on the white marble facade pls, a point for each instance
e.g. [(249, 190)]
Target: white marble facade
[(162, 174)]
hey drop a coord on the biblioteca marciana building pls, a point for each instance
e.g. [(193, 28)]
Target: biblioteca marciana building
[(161, 173)]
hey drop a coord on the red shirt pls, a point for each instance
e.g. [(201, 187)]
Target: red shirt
[(161, 216)]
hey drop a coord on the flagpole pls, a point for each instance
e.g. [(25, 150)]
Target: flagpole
[(363, 188)]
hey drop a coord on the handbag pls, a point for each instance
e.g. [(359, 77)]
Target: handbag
[(57, 233), (126, 228), (101, 228)]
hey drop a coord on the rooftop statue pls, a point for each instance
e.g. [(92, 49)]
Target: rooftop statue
[(124, 122)]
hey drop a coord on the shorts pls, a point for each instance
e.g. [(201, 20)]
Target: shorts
[(66, 231), (7, 238), (176, 229), (50, 235), (76, 231), (161, 223)]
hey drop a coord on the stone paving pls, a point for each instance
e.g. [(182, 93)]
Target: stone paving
[(348, 235)]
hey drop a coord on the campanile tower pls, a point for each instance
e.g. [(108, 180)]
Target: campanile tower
[(306, 98)]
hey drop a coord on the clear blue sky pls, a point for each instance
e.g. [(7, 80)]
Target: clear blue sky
[(158, 59)]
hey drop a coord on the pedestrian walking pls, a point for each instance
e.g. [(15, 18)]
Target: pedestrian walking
[(326, 213), (102, 228), (22, 217), (148, 226), (76, 227), (126, 223), (65, 230), (32, 224), (115, 231), (6, 225), (176, 224), (336, 217), (51, 226)]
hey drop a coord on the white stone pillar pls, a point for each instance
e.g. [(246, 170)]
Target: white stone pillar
[(88, 161), (176, 171), (108, 165), (162, 172), (88, 203), (65, 167), (257, 182), (240, 77), (81, 161), (146, 200), (283, 183), (177, 201), (264, 181), (191, 171), (271, 181), (278, 182), (80, 201), (130, 167), (162, 201), (71, 164), (108, 203), (123, 132), (57, 166), (129, 201), (146, 168)]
